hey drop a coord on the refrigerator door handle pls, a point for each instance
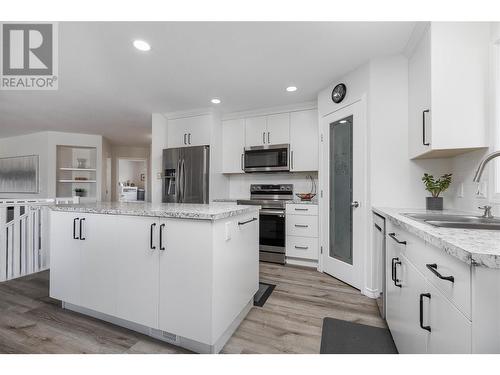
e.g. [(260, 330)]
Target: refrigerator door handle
[(178, 182), (183, 168), (205, 200)]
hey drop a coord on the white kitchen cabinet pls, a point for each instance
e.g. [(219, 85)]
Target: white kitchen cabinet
[(450, 61), (255, 131), (304, 141), (278, 129), (65, 257), (189, 131), (139, 245), (98, 235), (302, 244), (421, 313), (233, 145), (450, 329)]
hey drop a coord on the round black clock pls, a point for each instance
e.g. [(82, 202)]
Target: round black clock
[(338, 93)]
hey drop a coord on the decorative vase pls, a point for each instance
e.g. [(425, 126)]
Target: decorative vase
[(82, 163), (434, 203)]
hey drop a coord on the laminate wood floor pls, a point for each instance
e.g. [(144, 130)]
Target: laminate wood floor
[(289, 322)]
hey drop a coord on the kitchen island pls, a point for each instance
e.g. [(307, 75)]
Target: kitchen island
[(182, 273)]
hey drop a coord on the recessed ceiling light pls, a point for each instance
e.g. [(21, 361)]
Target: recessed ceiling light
[(291, 88), (343, 121), (141, 45), (215, 101)]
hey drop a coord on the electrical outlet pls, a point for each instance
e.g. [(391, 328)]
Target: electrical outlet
[(158, 176), (482, 190), (460, 190), (228, 231)]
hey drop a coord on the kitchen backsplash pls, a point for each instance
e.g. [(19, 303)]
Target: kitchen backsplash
[(239, 185)]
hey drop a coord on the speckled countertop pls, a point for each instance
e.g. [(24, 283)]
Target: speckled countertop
[(212, 211), (473, 246)]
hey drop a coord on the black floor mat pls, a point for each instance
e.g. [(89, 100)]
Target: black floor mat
[(342, 337), (263, 294)]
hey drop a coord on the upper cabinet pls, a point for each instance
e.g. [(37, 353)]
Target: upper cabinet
[(448, 90), (189, 131), (267, 130), (233, 145), (304, 141)]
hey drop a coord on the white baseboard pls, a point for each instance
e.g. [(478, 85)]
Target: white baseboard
[(372, 293), (302, 262)]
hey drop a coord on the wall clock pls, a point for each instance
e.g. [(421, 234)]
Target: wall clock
[(338, 93)]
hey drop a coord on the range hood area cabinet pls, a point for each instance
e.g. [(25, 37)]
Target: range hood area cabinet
[(297, 128), (448, 90), (267, 130)]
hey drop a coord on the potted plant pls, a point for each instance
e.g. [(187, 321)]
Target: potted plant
[(435, 187), (80, 192)]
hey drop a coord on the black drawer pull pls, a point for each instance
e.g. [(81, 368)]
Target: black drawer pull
[(301, 226), (302, 247), (428, 295), (301, 209), (151, 246), (433, 268), (74, 228), (393, 236), (248, 221)]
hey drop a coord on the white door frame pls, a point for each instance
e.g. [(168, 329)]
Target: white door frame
[(359, 277)]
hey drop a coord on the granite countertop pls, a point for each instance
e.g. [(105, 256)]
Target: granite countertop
[(212, 211), (474, 246)]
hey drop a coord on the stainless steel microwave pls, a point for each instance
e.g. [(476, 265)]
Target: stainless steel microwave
[(269, 158)]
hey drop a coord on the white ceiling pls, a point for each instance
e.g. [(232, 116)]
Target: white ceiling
[(107, 87)]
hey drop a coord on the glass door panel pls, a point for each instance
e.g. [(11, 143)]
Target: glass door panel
[(341, 162)]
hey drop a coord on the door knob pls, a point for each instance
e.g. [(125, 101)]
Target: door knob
[(355, 204)]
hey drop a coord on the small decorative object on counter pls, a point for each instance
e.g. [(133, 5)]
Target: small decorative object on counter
[(308, 196), (79, 192), (435, 187), (81, 178), (82, 163)]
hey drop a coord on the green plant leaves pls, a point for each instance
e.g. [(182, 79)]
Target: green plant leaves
[(436, 187)]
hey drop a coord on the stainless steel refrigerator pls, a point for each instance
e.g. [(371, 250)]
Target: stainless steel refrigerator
[(186, 174)]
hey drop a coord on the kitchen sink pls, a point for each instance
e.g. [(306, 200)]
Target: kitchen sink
[(456, 221)]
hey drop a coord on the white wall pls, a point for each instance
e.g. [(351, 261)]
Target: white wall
[(239, 185), (158, 143), (45, 145), (131, 170), (31, 144)]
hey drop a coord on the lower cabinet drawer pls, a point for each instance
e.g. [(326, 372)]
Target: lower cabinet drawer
[(302, 225), (302, 247), (449, 275)]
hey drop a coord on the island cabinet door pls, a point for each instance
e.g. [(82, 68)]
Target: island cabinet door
[(186, 279), (98, 234), (64, 257), (135, 269)]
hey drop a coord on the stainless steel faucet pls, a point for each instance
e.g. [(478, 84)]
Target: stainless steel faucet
[(487, 211), (486, 160)]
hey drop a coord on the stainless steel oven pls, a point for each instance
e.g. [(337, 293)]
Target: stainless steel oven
[(269, 158), (272, 216)]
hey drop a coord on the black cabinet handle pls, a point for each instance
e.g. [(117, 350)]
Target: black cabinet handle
[(151, 228), (161, 237), (242, 167), (74, 228), (185, 138), (423, 128), (395, 262), (433, 268), (81, 231), (246, 222), (378, 227), (428, 295), (393, 236)]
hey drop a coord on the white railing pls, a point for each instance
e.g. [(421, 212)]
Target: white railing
[(23, 237)]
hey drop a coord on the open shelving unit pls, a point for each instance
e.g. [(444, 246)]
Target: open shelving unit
[(70, 177)]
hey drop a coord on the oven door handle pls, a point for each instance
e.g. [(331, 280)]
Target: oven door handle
[(272, 213)]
